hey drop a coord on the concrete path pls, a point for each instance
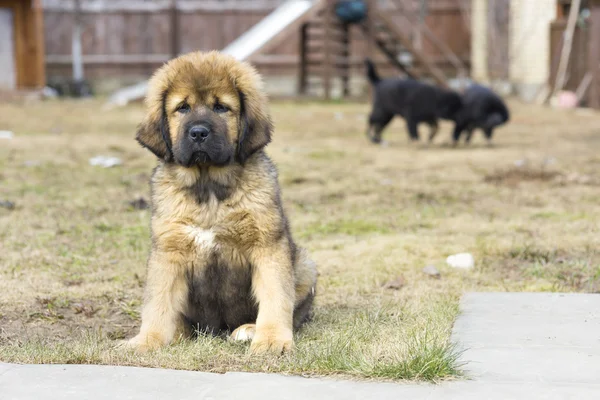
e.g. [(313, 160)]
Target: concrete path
[(518, 346), (531, 337)]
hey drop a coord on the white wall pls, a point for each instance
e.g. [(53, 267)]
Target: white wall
[(7, 54), (479, 42), (530, 44)]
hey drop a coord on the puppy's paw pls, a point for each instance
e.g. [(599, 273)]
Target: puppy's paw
[(272, 340), (243, 333), (142, 343), (374, 139)]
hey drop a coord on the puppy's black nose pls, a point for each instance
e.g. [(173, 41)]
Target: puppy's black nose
[(199, 132)]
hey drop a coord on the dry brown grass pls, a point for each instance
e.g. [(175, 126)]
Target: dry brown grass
[(72, 252)]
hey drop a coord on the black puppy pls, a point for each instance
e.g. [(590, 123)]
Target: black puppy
[(483, 109), (415, 101)]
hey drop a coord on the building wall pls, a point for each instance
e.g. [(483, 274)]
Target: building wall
[(529, 51), (7, 50), (528, 60), (479, 43), (27, 45)]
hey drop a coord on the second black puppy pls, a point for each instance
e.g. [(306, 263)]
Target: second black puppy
[(483, 109), (415, 101)]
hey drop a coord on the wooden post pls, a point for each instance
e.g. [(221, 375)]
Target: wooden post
[(37, 29), (418, 41), (369, 29), (345, 76), (174, 14), (561, 75), (327, 59), (302, 68), (76, 50), (594, 55)]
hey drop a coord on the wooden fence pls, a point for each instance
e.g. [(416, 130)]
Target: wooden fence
[(131, 38), (578, 59)]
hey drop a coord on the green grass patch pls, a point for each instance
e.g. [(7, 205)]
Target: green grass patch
[(349, 227)]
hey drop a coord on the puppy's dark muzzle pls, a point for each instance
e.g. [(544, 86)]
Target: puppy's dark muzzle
[(198, 133)]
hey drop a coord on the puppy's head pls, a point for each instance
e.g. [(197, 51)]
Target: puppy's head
[(449, 103), (205, 109)]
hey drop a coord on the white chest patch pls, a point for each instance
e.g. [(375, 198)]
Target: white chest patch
[(204, 238)]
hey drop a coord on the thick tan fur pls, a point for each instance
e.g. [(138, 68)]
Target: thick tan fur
[(241, 231)]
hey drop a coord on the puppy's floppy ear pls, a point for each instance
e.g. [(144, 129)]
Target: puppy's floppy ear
[(255, 125), (153, 132)]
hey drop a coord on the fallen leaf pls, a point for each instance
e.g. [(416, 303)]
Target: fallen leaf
[(85, 309), (395, 284)]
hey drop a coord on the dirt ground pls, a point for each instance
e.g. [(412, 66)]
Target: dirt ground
[(73, 248)]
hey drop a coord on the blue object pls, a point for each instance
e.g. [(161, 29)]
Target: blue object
[(351, 11)]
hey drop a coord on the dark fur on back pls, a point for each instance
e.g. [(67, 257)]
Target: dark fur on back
[(482, 109), (415, 101)]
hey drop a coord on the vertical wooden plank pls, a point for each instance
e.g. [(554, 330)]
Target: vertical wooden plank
[(76, 50), (302, 68), (146, 45), (39, 62), (327, 59), (369, 43), (565, 54), (346, 60), (174, 29), (594, 54), (19, 35)]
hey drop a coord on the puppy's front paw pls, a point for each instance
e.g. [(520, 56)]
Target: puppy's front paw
[(141, 343), (243, 333), (272, 340)]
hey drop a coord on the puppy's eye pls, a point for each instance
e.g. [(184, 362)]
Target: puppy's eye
[(220, 108), (184, 108)]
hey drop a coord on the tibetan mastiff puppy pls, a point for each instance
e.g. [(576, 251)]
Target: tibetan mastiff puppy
[(482, 109), (222, 260), (415, 101)]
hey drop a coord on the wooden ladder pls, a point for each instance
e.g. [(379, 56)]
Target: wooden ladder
[(324, 54), (388, 37)]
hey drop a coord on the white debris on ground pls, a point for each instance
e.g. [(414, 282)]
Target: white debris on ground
[(432, 271), (521, 163), (6, 135), (105, 162), (461, 260)]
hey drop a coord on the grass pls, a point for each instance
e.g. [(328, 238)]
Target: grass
[(73, 250)]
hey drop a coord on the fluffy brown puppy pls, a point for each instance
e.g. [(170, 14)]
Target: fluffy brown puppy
[(222, 256)]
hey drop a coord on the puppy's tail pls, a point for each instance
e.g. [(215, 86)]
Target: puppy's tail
[(372, 72)]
